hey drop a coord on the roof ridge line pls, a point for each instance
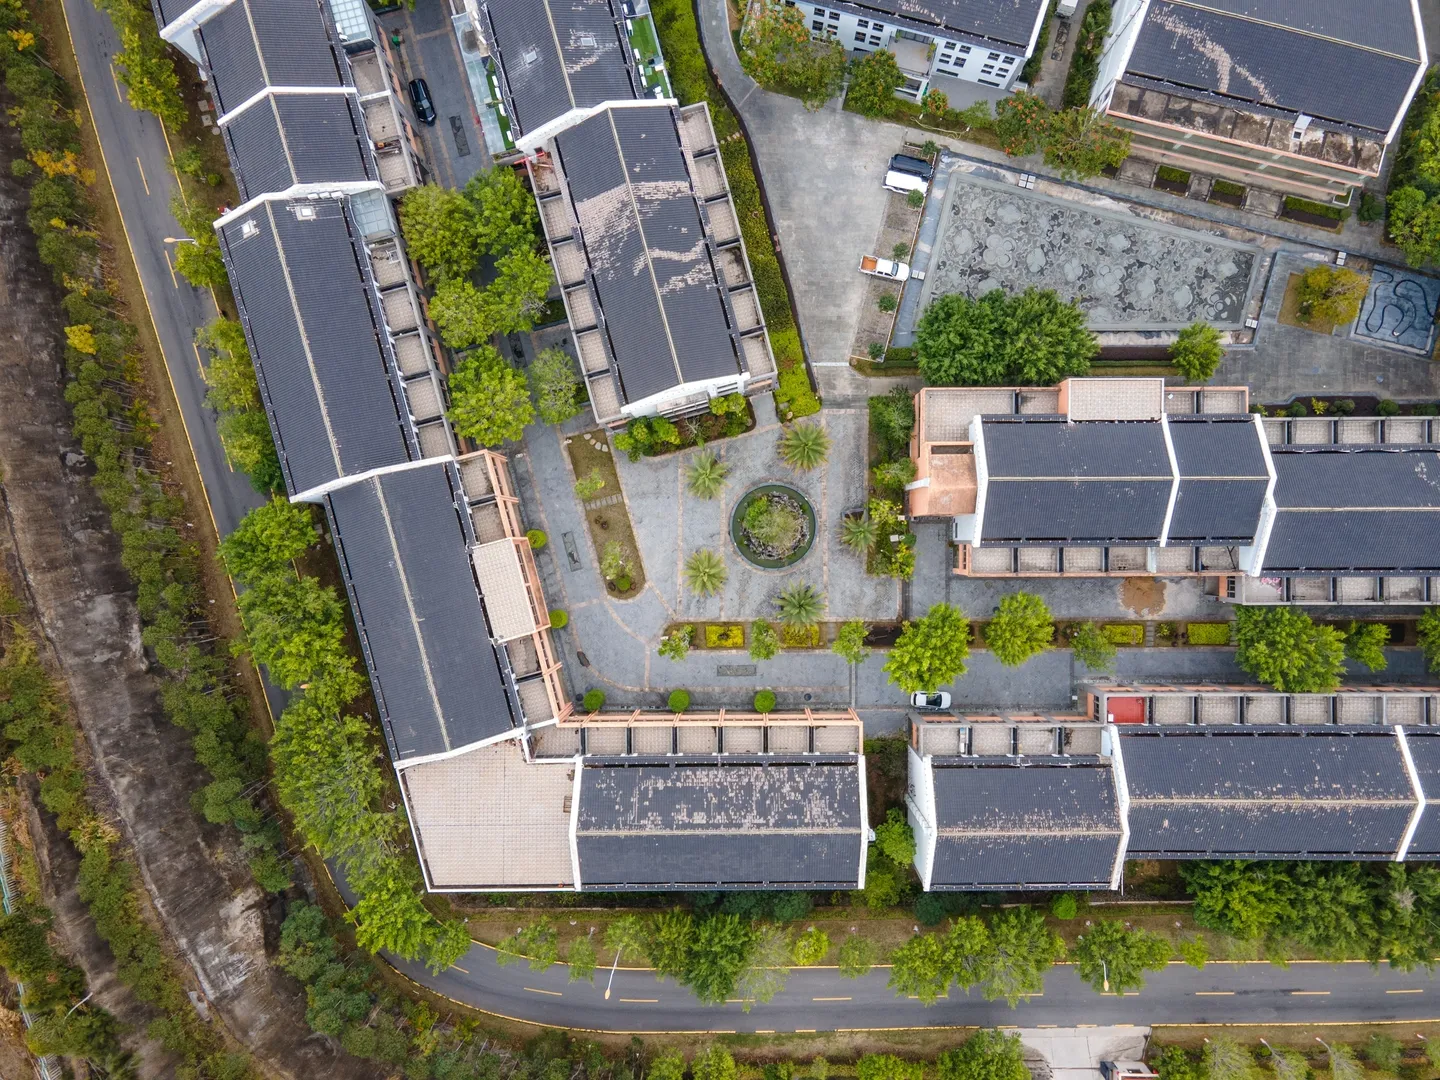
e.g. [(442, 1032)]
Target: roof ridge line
[(1200, 6)]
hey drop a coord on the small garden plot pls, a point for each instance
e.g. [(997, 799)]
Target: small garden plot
[(606, 515), (722, 636), (1124, 633), (773, 526), (1176, 181), (1207, 633)]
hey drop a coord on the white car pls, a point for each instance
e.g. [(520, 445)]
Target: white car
[(938, 700), (886, 268)]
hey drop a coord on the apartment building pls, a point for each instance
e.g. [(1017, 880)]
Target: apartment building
[(938, 46), (1299, 98), (1103, 477)]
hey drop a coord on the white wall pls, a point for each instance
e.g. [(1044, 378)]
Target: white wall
[(920, 804), (1126, 19)]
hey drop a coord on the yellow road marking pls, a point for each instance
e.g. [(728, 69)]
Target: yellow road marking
[(641, 1001), (1214, 993), (1309, 993), (804, 1031), (173, 279), (201, 365), (764, 1031), (142, 176), (551, 993), (1128, 993), (1404, 991), (832, 999), (458, 968), (115, 82)]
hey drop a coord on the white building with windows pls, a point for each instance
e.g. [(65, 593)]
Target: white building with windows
[(937, 43)]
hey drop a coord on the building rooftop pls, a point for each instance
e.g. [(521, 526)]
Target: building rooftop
[(402, 541), (1022, 822), (1229, 792), (297, 138), (1361, 508), (1223, 478), (665, 316), (253, 44), (1334, 60), (1009, 22), (302, 286), (765, 822), (556, 55), (1424, 747)]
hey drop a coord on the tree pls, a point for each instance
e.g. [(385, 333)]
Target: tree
[(804, 446), (267, 539), (850, 641), (517, 296), (1024, 950), (719, 951), (538, 943), (627, 934), (1427, 632), (874, 78), (235, 393), (919, 969), (440, 230), (489, 401), (986, 1055), (1225, 1059), (1195, 952), (1237, 898), (149, 75), (930, 651), (936, 101), (714, 1064), (705, 572), (1021, 628), (1110, 953), (460, 314), (855, 957), (1020, 121), (667, 943), (1092, 648), (1033, 339), (1413, 222), (1197, 351), (705, 476), (810, 947), (858, 533), (614, 564), (895, 839), (676, 644), (1080, 143), (1365, 644), (800, 605), (767, 966), (555, 384), (777, 51), (667, 1066), (764, 641), (1283, 648), (581, 958), (1331, 294), (293, 626), (504, 214)]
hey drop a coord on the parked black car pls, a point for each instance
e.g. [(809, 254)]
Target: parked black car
[(420, 98), (913, 165)]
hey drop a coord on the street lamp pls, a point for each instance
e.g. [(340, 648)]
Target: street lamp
[(181, 240), (1105, 970), (612, 973)]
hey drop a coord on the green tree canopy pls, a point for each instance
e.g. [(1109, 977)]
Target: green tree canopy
[(1197, 351), (294, 627), (767, 967), (556, 385), (895, 839), (460, 313), (1428, 635), (1033, 339), (1283, 648), (1092, 648), (874, 78), (1110, 953), (1021, 628), (888, 1066), (517, 296), (267, 539), (931, 651), (1081, 143), (919, 969), (489, 401), (719, 952), (1365, 644), (1413, 223), (503, 212), (1024, 950), (778, 52), (440, 230), (850, 641), (986, 1055), (1331, 294)]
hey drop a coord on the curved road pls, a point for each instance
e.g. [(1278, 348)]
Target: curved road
[(815, 998)]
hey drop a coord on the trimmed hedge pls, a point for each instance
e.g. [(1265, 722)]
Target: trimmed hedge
[(1208, 633), (537, 539), (1124, 633), (559, 619), (724, 636), (765, 701), (594, 700), (1227, 187), (1298, 205), (679, 700), (1172, 174)]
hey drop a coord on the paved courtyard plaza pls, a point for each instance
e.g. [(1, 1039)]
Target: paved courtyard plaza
[(1126, 272)]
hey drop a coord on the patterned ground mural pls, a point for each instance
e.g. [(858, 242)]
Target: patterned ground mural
[(1399, 309), (1127, 273)]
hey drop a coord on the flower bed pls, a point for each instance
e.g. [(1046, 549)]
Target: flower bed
[(609, 526), (773, 526), (724, 636), (800, 637), (1124, 633)]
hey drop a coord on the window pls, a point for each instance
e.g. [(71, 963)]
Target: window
[(863, 23), (964, 50), (859, 37), (988, 69), (874, 39), (817, 26), (949, 47), (993, 56), (878, 27), (1007, 61), (987, 82)]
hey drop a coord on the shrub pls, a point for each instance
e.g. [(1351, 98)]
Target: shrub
[(895, 839), (900, 251), (1085, 62), (1227, 187), (679, 700), (594, 700), (1388, 407), (1092, 647), (1344, 407), (811, 947), (764, 641), (724, 636), (765, 701), (1428, 636), (559, 619), (887, 303), (676, 644), (799, 637), (915, 199), (590, 485), (1172, 174), (1208, 633), (537, 538), (1319, 209), (1064, 906), (1031, 339), (1297, 408), (1372, 207), (900, 354), (1124, 633)]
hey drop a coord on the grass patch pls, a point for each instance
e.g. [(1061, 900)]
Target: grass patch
[(609, 523), (1123, 633), (724, 635), (800, 637), (1207, 633), (1290, 310), (1227, 187), (1318, 209), (1172, 174)]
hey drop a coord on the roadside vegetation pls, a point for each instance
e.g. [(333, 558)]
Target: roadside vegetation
[(1030, 339), (1413, 200)]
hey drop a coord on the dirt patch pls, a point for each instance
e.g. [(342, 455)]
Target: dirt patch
[(606, 515), (1143, 595)]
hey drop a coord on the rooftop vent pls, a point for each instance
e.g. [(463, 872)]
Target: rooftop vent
[(529, 56), (249, 229), (305, 213), (587, 41), (1302, 123)]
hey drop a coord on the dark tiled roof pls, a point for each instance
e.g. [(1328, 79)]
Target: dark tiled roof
[(1009, 22), (1310, 57), (253, 44), (1223, 478), (735, 821), (1425, 753), (555, 55), (1087, 449), (325, 378), (1024, 822), (1298, 793), (403, 547), (290, 139), (651, 264), (1369, 509)]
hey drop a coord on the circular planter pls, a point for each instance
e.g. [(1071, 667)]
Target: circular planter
[(768, 560)]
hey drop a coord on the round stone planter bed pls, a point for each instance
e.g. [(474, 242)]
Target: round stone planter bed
[(773, 525)]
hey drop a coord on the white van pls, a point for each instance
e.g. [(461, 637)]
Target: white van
[(904, 181)]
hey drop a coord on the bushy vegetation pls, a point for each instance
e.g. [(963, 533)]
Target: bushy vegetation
[(1283, 648), (1197, 351), (1085, 60), (778, 52), (1413, 202), (234, 392), (1022, 627), (931, 651), (1005, 958), (1032, 339)]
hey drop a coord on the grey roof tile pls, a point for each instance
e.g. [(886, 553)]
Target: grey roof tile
[(252, 44), (1004, 21), (1425, 753)]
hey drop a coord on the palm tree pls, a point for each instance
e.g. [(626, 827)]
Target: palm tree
[(799, 605), (706, 476), (858, 533), (805, 446), (705, 572)]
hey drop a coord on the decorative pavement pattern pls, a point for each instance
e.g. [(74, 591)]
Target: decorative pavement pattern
[(1399, 309), (1126, 272)]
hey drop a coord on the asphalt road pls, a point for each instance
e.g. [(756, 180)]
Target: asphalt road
[(819, 999), (138, 161)]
